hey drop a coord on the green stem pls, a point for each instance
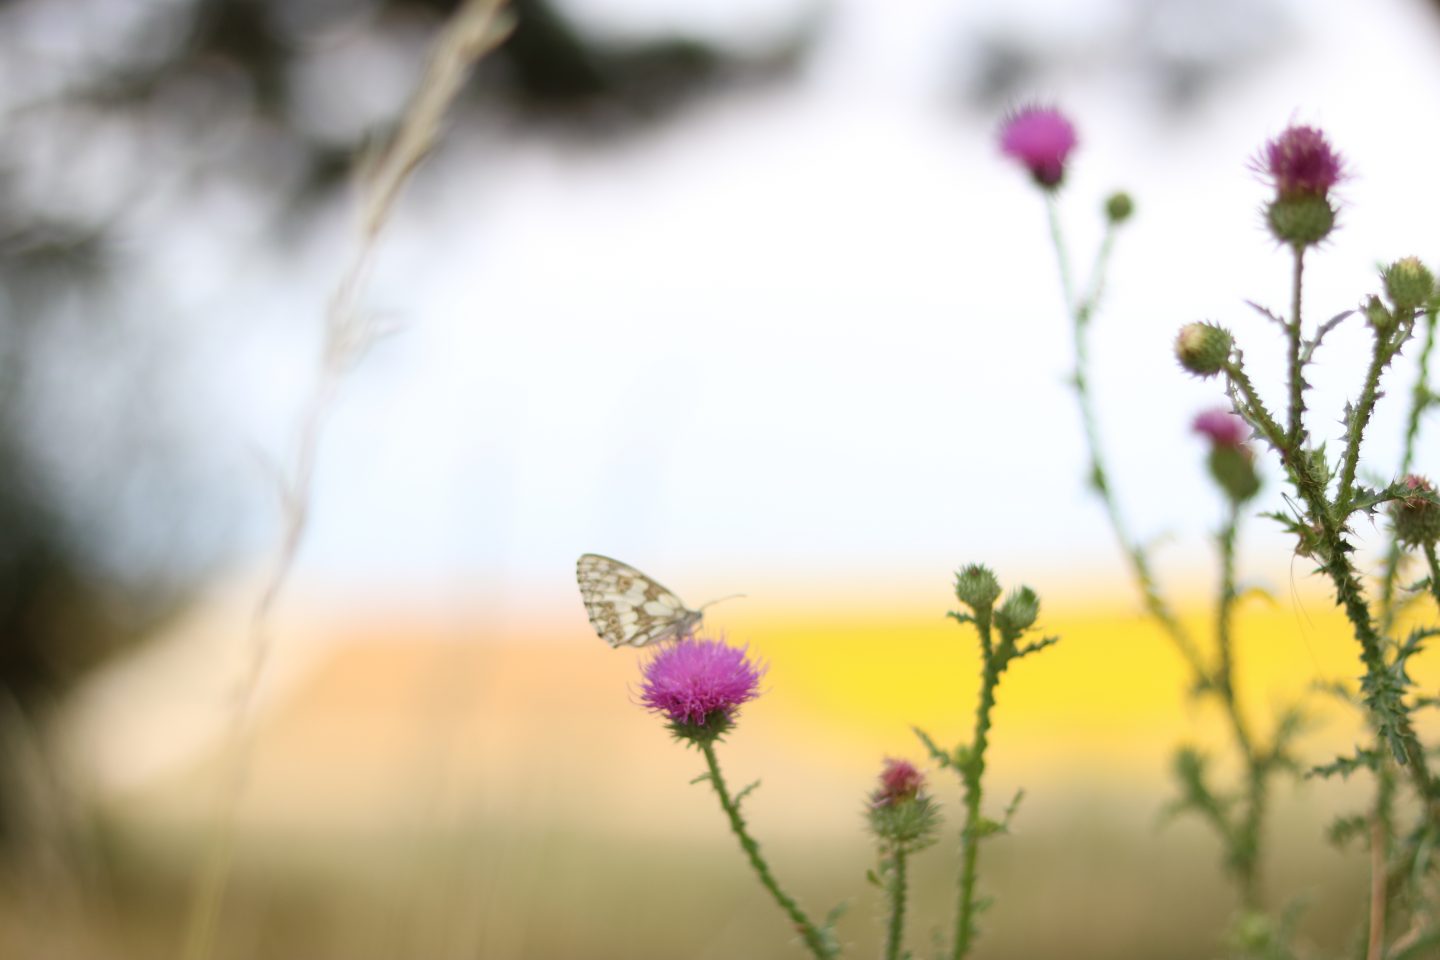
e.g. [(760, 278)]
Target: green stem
[(1382, 694), (1297, 379), (1419, 395), (895, 931), (1057, 239), (972, 774), (1419, 400), (1381, 829), (817, 942), (1245, 843), (1225, 674), (1080, 313), (1254, 409), (1434, 564), (1360, 418)]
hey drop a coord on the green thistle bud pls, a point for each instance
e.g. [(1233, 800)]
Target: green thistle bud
[(1119, 207), (911, 823), (977, 588), (1302, 220), (1018, 612), (1203, 348), (1408, 284), (1380, 318), (1417, 517), (1234, 470), (900, 812)]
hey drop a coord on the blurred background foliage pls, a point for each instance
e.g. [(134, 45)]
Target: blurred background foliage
[(110, 115)]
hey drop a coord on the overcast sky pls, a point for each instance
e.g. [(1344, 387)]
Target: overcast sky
[(814, 328)]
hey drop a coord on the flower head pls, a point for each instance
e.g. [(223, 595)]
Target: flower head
[(1040, 138), (1417, 516), (699, 685), (1409, 284), (898, 781), (1303, 167), (1203, 348), (1301, 162), (1231, 461), (900, 813), (1222, 427)]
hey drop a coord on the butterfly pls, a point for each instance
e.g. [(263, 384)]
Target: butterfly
[(627, 608)]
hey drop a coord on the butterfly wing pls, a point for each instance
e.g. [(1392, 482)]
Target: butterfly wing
[(627, 608)]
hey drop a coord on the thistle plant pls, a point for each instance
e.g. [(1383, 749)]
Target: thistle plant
[(1302, 167), (1000, 631), (1236, 814), (699, 685), (903, 820)]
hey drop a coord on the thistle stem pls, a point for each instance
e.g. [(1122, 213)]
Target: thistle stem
[(1225, 673), (1297, 380), (1244, 842), (1434, 564), (1375, 946), (1360, 417), (1080, 313), (1380, 830), (1382, 695), (1419, 399), (815, 940), (895, 930), (972, 775), (1420, 396)]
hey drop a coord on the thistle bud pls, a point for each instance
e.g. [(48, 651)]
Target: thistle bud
[(1119, 207), (1018, 612), (1378, 316), (1231, 461), (1203, 348), (1233, 468), (900, 812), (1417, 517), (1302, 166), (977, 588), (1408, 284), (1301, 221)]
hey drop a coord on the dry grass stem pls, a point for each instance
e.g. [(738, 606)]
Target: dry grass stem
[(474, 30)]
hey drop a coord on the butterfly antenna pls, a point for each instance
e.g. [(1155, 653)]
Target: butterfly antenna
[(733, 596)]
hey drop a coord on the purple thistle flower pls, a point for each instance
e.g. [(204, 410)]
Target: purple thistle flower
[(1301, 162), (1040, 138), (898, 781), (1222, 427), (698, 685)]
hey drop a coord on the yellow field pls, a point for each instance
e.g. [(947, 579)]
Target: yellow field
[(434, 792)]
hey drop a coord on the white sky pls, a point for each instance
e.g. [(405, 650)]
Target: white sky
[(814, 329)]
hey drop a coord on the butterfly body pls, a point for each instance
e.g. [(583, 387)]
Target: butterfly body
[(627, 608)]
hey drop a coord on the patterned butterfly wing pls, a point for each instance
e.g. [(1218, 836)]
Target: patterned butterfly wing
[(627, 608)]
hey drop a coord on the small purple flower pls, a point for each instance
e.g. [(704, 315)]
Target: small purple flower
[(1040, 138), (898, 781), (1222, 427), (1301, 162), (698, 685)]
